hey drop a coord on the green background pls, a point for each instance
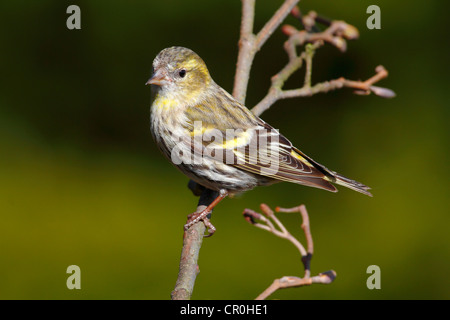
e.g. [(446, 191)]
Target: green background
[(83, 183)]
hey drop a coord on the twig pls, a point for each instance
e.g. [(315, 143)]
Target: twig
[(362, 87), (268, 226), (274, 22), (307, 231), (192, 242), (336, 33), (289, 281), (246, 50), (250, 44)]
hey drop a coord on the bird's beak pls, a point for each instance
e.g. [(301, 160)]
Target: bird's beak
[(158, 78)]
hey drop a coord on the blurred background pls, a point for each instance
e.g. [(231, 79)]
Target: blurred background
[(83, 183)]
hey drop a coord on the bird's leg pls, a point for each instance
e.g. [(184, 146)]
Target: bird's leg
[(202, 215)]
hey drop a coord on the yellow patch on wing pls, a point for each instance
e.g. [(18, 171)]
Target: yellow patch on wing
[(299, 157), (242, 140)]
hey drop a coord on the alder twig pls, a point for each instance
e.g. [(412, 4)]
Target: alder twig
[(192, 242), (250, 44), (266, 224), (336, 34), (291, 282)]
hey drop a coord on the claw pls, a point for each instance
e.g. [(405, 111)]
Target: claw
[(193, 218), (203, 215)]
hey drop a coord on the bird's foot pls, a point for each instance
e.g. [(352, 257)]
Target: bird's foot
[(193, 218)]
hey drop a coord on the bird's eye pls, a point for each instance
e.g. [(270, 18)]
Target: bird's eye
[(182, 73)]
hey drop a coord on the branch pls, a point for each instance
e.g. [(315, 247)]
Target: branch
[(289, 281), (274, 22), (336, 34), (192, 242), (250, 44)]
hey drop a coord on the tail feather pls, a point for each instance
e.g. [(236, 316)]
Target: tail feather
[(352, 184), (337, 178)]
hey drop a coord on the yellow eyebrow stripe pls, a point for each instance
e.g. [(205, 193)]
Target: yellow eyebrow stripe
[(192, 63)]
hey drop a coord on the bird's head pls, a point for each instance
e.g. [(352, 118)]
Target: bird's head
[(180, 71)]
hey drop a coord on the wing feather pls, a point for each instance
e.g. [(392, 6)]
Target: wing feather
[(255, 146)]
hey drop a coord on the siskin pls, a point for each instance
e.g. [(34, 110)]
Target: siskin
[(219, 143)]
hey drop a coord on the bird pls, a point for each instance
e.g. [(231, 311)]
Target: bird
[(217, 141)]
